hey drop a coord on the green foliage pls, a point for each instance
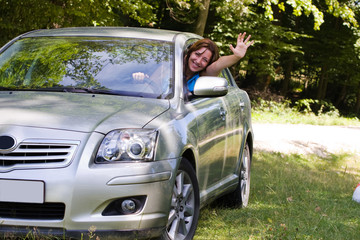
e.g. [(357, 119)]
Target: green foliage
[(304, 111), (299, 7), (19, 16), (307, 7), (272, 106), (288, 49), (271, 40), (317, 107), (343, 11)]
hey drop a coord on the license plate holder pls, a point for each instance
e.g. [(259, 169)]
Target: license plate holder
[(24, 191)]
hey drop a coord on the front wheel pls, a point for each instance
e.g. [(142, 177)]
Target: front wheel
[(185, 205)]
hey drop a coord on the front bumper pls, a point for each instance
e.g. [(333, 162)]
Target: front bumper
[(87, 189)]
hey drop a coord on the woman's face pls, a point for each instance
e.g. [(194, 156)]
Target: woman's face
[(199, 59)]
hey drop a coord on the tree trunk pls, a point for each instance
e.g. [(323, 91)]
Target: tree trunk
[(323, 82), (341, 96), (287, 79), (202, 18), (357, 105)]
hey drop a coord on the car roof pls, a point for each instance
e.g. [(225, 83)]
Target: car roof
[(130, 32)]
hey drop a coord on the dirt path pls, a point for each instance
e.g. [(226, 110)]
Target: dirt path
[(303, 139)]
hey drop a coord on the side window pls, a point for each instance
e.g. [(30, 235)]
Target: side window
[(227, 75), (187, 95)]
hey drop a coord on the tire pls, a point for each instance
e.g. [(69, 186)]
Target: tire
[(185, 205), (242, 192), (240, 197)]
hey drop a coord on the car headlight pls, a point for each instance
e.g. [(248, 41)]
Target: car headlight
[(127, 145)]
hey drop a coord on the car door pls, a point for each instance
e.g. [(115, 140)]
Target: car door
[(234, 127), (210, 116)]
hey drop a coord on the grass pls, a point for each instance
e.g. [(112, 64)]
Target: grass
[(302, 113), (292, 197)]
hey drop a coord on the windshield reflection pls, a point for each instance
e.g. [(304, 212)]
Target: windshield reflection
[(104, 65)]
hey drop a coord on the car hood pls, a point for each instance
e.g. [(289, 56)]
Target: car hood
[(78, 112)]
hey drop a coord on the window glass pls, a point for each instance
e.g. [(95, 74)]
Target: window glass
[(225, 74), (95, 63)]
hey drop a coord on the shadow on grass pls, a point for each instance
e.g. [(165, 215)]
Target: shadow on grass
[(292, 197)]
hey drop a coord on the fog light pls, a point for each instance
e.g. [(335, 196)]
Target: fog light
[(125, 206), (128, 206)]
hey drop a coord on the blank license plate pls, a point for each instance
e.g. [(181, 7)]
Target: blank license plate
[(22, 191)]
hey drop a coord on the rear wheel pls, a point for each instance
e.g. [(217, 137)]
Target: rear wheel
[(243, 189), (185, 205), (240, 197)]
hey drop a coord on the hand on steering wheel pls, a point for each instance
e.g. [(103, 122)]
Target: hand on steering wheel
[(139, 76)]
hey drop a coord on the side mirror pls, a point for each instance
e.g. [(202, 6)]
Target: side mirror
[(210, 86)]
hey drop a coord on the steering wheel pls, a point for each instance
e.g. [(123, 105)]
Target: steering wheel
[(142, 78)]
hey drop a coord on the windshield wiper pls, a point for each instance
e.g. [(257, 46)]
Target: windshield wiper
[(6, 89), (87, 90), (72, 90), (90, 90)]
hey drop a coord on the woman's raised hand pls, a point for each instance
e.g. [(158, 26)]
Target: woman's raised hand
[(241, 45)]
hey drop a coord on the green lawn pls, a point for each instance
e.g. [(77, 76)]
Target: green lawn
[(292, 197)]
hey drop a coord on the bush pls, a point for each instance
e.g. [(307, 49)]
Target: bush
[(318, 107), (304, 111)]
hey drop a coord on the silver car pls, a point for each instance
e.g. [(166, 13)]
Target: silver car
[(98, 134)]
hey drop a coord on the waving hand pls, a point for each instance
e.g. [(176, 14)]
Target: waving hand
[(242, 45)]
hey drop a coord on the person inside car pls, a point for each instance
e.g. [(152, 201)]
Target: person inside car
[(202, 59)]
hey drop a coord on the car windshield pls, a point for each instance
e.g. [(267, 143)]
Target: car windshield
[(124, 66)]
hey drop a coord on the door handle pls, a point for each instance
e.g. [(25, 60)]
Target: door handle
[(223, 113), (242, 105)]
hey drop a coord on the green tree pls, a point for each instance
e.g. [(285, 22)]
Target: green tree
[(307, 45), (19, 16)]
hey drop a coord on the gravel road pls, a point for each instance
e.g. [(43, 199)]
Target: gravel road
[(304, 139)]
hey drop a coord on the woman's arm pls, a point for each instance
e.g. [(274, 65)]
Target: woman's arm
[(226, 61)]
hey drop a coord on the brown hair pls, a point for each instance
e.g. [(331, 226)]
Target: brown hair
[(207, 43)]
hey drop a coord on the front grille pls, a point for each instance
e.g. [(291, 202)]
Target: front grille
[(45, 211), (32, 153)]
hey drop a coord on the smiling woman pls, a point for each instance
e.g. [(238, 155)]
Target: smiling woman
[(202, 59)]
